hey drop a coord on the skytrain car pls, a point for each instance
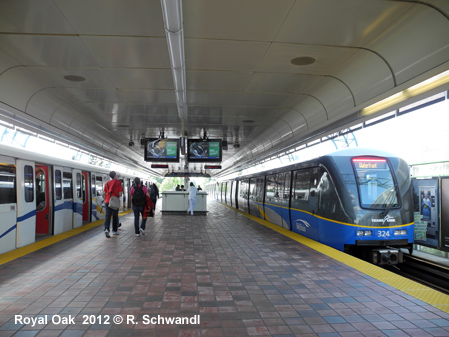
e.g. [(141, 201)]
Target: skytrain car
[(42, 196), (355, 200)]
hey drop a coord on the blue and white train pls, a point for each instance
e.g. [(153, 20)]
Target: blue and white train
[(355, 200), (41, 196)]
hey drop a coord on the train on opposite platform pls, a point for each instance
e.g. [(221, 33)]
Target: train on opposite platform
[(41, 196), (355, 200)]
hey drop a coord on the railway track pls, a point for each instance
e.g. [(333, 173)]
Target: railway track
[(423, 271)]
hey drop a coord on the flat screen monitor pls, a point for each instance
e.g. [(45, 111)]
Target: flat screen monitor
[(162, 150), (204, 151)]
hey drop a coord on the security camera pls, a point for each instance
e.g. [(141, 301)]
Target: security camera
[(131, 143), (236, 145)]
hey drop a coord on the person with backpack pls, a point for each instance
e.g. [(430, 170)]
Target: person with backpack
[(139, 192), (113, 188)]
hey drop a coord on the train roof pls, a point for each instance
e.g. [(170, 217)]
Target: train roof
[(349, 152), (360, 151)]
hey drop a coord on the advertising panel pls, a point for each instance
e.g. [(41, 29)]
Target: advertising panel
[(445, 214), (427, 226)]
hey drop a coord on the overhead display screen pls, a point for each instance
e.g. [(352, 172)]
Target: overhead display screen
[(162, 150), (204, 150)]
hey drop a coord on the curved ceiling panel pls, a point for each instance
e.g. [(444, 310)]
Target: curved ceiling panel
[(6, 62), (366, 75), (63, 116), (283, 129), (17, 87), (412, 47), (296, 121), (44, 103), (272, 73), (335, 97), (312, 110)]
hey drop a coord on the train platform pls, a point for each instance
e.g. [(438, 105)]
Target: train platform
[(223, 274)]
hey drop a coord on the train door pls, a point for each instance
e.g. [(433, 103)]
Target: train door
[(302, 211), (123, 198), (272, 207), (58, 216), (242, 201), (67, 194), (231, 188), (8, 205), (77, 199), (256, 196), (285, 200), (43, 201), (99, 180), (94, 203), (125, 184), (85, 190), (26, 204)]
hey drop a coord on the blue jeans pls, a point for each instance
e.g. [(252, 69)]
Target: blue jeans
[(107, 219), (137, 211)]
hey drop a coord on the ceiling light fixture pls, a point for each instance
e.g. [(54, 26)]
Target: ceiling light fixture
[(420, 88), (303, 61), (74, 78), (172, 13)]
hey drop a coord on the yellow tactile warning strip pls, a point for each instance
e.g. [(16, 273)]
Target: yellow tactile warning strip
[(412, 288), (19, 252)]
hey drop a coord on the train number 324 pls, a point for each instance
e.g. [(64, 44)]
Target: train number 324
[(383, 234)]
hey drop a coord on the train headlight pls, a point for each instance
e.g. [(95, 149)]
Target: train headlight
[(364, 233), (400, 232)]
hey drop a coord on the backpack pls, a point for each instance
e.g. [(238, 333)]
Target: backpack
[(139, 196)]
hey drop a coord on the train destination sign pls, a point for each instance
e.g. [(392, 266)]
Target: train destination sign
[(369, 163)]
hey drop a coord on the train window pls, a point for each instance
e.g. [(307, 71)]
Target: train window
[(40, 189), (93, 185), (260, 189), (301, 186), (84, 188), (99, 186), (67, 185), (375, 183), (7, 184), (286, 195), (58, 184), (271, 188), (252, 189), (78, 185), (29, 183), (243, 189)]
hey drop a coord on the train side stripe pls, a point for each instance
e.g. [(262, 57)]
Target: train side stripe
[(339, 222), (8, 230), (32, 247), (26, 216)]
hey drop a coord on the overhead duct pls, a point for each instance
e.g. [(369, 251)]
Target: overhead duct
[(172, 12)]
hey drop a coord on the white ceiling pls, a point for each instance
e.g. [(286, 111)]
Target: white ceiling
[(238, 69)]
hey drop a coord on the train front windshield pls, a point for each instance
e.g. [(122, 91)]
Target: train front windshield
[(375, 183)]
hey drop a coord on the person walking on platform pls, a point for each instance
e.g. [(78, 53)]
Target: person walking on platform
[(112, 188), (139, 192), (192, 198), (154, 194)]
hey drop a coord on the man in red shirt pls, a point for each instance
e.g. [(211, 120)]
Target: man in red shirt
[(112, 187)]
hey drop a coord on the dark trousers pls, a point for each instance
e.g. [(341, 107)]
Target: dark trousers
[(154, 203), (137, 211), (107, 219)]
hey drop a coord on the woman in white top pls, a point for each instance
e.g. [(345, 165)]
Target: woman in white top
[(192, 197)]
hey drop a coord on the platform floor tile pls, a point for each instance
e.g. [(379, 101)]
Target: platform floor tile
[(207, 276)]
